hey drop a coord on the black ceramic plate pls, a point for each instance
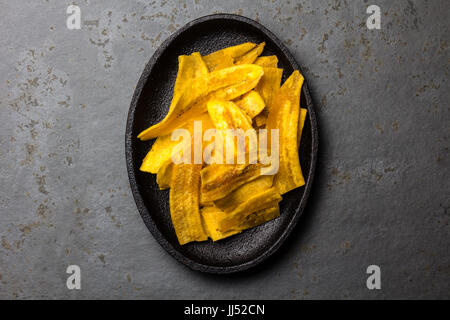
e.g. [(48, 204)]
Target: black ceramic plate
[(150, 104)]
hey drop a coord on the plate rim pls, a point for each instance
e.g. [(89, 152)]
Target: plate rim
[(160, 238)]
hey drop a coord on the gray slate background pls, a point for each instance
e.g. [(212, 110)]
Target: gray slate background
[(382, 189)]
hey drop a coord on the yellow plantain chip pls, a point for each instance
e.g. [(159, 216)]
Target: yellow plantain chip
[(242, 194), (239, 50), (189, 68), (161, 150), (301, 123), (227, 83), (213, 217), (267, 61), (184, 203), (251, 56), (226, 115), (263, 200), (158, 154), (260, 217), (164, 175), (252, 103), (225, 58), (219, 180), (269, 84), (284, 116), (234, 91), (218, 60)]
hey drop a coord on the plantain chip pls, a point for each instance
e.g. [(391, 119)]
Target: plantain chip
[(227, 83), (218, 60), (263, 200), (164, 175), (225, 58), (213, 217), (301, 124), (269, 84), (252, 103), (267, 61), (158, 154), (284, 116), (259, 217), (226, 115), (239, 50), (240, 195), (252, 55), (219, 180), (189, 68), (267, 88), (162, 149), (184, 203)]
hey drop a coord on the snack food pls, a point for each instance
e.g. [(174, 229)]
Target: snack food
[(210, 148)]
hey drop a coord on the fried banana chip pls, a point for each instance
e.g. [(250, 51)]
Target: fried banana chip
[(301, 123), (219, 180), (259, 217), (252, 103), (189, 67), (227, 83), (226, 115), (218, 60), (267, 61), (266, 199), (267, 87), (184, 203), (269, 84), (164, 175), (213, 218), (161, 150), (225, 58), (242, 194), (252, 55), (234, 91), (284, 116), (158, 154)]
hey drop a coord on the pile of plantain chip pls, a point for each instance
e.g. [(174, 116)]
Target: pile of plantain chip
[(233, 88)]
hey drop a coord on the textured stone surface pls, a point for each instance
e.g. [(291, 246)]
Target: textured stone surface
[(381, 194)]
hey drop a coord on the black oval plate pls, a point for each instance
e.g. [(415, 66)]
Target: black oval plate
[(150, 104)]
